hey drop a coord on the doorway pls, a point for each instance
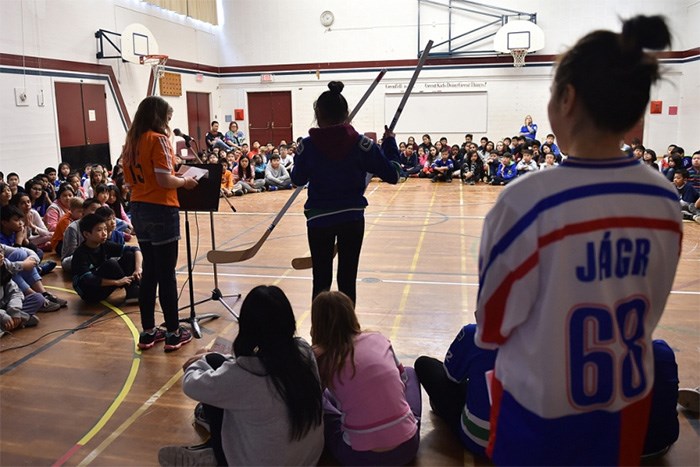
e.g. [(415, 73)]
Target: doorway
[(637, 132), (82, 124), (198, 117), (270, 117)]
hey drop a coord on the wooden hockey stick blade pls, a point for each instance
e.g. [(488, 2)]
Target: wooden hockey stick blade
[(307, 262), (236, 256), (421, 61)]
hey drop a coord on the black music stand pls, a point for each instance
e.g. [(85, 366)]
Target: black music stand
[(205, 197)]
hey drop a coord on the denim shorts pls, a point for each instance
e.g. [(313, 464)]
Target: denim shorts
[(155, 223)]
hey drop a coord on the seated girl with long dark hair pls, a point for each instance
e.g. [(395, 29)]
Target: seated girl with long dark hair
[(263, 405)]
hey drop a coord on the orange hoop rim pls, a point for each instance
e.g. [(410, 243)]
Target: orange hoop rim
[(153, 59)]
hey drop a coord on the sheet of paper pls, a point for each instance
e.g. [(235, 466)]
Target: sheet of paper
[(191, 171)]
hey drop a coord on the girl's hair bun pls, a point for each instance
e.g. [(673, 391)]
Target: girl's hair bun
[(646, 32), (336, 87)]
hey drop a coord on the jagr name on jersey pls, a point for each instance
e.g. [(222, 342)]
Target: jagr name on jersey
[(606, 259)]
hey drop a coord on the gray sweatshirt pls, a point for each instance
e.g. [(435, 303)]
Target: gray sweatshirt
[(256, 425)]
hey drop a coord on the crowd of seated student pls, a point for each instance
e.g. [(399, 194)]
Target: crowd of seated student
[(262, 168), (42, 215), (502, 161)]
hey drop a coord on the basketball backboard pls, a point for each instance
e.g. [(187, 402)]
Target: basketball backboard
[(137, 41), (519, 34)]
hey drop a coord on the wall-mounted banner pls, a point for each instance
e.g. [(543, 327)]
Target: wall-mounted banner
[(438, 86)]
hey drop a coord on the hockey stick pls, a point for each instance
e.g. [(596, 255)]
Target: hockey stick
[(364, 98), (307, 262), (421, 61), (236, 256)]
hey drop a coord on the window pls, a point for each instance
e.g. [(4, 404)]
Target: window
[(202, 10)]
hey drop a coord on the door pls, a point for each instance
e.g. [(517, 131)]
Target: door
[(198, 117), (281, 118), (82, 124), (637, 132), (270, 117)]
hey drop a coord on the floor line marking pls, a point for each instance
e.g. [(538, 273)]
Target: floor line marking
[(145, 406), (121, 396), (388, 281), (130, 421), (463, 249), (409, 278)]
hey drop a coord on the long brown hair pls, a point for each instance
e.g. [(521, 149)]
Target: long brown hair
[(152, 114), (334, 326)]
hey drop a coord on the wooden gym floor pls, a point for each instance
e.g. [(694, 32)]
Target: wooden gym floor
[(79, 397)]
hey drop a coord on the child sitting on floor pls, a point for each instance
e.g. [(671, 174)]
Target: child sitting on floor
[(100, 266), (34, 227), (72, 237), (113, 235), (372, 404), (116, 202), (276, 175), (13, 233), (22, 265), (16, 310), (75, 213)]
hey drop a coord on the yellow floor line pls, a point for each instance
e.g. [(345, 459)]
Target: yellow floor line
[(306, 314), (130, 421), (463, 257), (414, 263), (128, 384), (145, 406)]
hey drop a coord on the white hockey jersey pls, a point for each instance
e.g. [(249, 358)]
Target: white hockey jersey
[(576, 264)]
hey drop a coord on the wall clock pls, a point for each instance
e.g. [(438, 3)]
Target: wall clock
[(327, 18)]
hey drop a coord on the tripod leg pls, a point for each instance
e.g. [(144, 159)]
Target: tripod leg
[(194, 322)]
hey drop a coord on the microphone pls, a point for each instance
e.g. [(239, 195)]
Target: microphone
[(186, 137)]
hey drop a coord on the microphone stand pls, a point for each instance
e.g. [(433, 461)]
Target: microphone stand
[(204, 198), (188, 144)]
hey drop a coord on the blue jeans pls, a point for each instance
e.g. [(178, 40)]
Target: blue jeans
[(27, 278), (155, 223), (222, 145)]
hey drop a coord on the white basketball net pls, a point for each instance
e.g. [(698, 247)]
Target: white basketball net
[(518, 57)]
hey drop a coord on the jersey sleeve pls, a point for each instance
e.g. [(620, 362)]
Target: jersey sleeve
[(162, 156), (383, 164), (508, 274), (300, 172), (457, 359)]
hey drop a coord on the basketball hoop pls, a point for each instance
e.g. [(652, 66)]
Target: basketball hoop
[(519, 38), (157, 63), (518, 57)]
